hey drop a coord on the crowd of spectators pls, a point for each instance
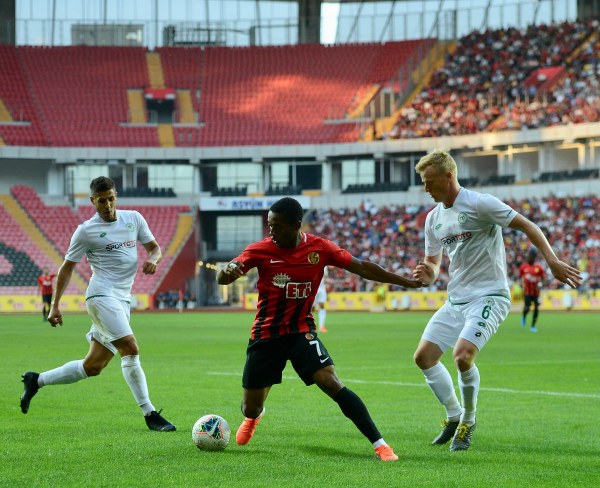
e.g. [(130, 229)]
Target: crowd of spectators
[(392, 236), (480, 87)]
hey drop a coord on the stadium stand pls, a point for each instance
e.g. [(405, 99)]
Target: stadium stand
[(485, 76), (81, 94), (19, 124)]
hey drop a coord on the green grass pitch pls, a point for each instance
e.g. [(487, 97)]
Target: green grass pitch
[(537, 414)]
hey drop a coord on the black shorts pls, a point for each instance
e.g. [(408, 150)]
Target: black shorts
[(47, 299), (266, 359), (529, 299)]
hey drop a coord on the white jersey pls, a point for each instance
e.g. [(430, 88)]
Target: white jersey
[(470, 232), (111, 249)]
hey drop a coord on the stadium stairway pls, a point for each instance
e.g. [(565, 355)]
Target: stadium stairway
[(4, 113), (155, 71), (184, 106), (434, 60), (185, 224), (166, 137), (137, 111), (38, 238)]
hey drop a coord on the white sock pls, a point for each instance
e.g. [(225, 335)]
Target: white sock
[(136, 379), (322, 316), (439, 380), (468, 383), (63, 375), (378, 443)]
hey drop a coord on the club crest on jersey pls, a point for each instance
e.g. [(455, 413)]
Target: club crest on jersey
[(280, 279), (309, 336), (462, 218), (130, 227), (313, 257)]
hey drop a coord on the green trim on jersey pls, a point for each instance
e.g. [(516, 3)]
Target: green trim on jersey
[(465, 303), (107, 296)]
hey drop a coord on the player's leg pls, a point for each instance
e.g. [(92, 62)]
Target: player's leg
[(526, 307), (322, 317), (312, 362), (440, 334), (265, 362), (482, 319), (253, 408), (536, 305), (95, 361)]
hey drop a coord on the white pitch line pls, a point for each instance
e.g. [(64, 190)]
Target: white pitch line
[(421, 385)]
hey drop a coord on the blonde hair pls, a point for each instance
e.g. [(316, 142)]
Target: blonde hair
[(440, 160)]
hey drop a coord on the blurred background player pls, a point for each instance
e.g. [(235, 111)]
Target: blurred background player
[(45, 288), (533, 276), (109, 240), (321, 302)]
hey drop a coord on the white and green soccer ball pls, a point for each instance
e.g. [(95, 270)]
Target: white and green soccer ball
[(211, 433)]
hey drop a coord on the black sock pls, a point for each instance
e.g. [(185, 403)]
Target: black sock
[(354, 408)]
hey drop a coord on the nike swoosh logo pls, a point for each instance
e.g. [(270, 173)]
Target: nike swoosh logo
[(323, 360), (276, 261)]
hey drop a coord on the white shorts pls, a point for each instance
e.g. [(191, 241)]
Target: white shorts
[(110, 320), (476, 321), (321, 296)]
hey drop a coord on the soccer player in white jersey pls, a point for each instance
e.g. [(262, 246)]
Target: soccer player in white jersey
[(321, 300), (467, 226), (109, 240)]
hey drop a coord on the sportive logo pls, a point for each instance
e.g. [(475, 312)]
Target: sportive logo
[(323, 360), (438, 226), (273, 261), (113, 246), (465, 236), (103, 234)]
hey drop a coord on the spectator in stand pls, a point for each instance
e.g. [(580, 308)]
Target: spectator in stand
[(45, 286), (533, 276)]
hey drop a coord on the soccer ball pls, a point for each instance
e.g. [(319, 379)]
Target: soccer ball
[(211, 433)]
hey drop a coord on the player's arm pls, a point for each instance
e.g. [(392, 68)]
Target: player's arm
[(62, 281), (374, 272), (562, 271), (428, 270), (230, 273), (153, 258)]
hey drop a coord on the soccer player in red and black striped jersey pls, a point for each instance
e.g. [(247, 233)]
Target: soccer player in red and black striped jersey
[(533, 275), (290, 266)]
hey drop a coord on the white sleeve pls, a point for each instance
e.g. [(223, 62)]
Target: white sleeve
[(432, 245), (144, 233), (77, 247), (494, 210)]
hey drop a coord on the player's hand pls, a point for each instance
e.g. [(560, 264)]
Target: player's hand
[(565, 273), (414, 284), (423, 273), (55, 317), (234, 270), (149, 268)]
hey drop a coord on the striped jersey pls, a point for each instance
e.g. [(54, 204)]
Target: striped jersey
[(288, 280), (532, 275)]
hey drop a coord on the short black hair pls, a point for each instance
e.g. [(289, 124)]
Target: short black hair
[(101, 184), (290, 209)]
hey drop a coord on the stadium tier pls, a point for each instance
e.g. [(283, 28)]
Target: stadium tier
[(78, 95)]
